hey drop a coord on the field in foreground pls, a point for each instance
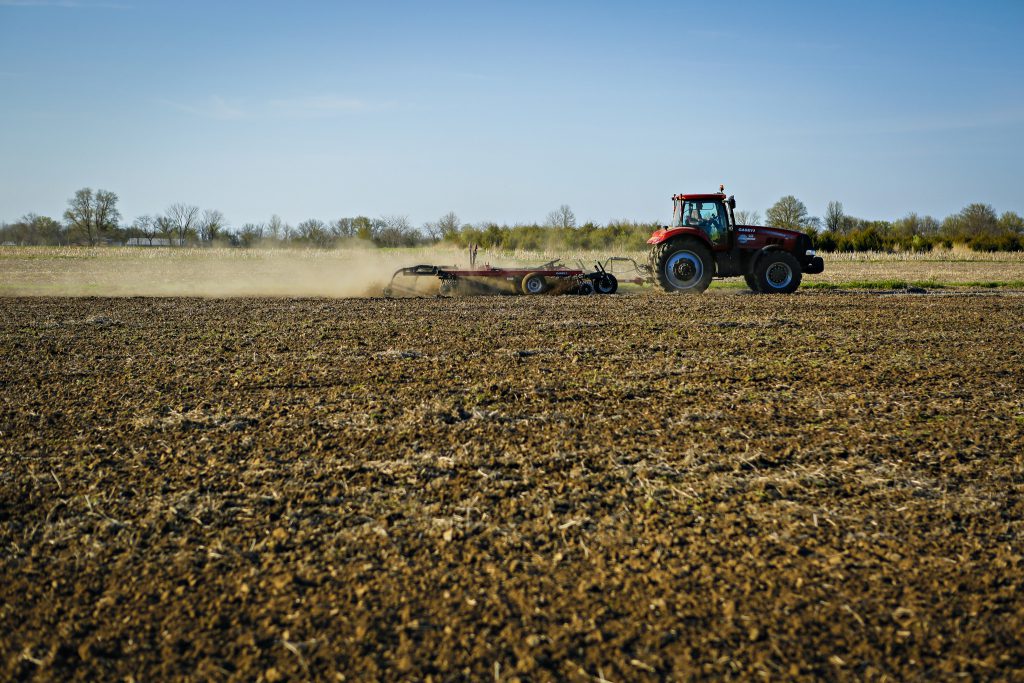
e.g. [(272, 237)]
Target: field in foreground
[(621, 488)]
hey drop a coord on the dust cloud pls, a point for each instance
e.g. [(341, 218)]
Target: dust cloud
[(214, 272)]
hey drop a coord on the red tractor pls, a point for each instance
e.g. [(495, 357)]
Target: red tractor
[(704, 242)]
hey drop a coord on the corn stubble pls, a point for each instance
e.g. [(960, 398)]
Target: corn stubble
[(621, 488)]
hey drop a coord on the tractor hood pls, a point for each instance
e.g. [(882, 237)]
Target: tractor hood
[(783, 233), (760, 236)]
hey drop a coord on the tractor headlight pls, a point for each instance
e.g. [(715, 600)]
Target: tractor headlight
[(810, 252)]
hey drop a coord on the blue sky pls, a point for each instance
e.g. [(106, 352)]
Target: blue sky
[(505, 110)]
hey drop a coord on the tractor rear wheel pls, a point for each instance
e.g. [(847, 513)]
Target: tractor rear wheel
[(534, 283), (777, 272), (683, 266)]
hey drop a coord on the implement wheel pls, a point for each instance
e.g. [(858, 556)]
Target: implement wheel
[(584, 288), (605, 283), (534, 283)]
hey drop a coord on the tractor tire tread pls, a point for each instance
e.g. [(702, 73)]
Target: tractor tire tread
[(766, 261), (661, 253)]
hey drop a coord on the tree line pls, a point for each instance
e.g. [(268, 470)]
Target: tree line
[(976, 226), (92, 218)]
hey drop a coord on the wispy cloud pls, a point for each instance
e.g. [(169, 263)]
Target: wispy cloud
[(214, 107), (317, 107), (219, 108), (74, 4)]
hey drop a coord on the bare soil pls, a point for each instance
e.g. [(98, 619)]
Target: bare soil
[(622, 488)]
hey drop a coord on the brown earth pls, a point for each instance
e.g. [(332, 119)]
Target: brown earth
[(620, 488)]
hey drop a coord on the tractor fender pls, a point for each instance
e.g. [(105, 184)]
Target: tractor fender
[(663, 235)]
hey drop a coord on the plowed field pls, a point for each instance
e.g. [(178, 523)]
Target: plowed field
[(635, 487)]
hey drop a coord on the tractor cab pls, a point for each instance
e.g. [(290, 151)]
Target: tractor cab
[(710, 213)]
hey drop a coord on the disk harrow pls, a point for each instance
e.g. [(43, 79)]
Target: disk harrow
[(552, 277)]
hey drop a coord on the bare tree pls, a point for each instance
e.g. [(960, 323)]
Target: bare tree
[(164, 227), (748, 217), (431, 230), (834, 216), (184, 220), (314, 232), (341, 228), (445, 227), (147, 228), (106, 214), (448, 225), (562, 217), (977, 219), (92, 214), (275, 228), (251, 234), (366, 228), (212, 225), (396, 232), (79, 215)]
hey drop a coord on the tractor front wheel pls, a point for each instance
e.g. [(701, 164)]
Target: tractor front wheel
[(683, 266), (751, 281), (777, 272)]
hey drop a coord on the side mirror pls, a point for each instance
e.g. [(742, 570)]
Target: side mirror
[(732, 202)]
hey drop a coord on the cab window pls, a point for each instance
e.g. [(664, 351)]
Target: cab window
[(709, 216)]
